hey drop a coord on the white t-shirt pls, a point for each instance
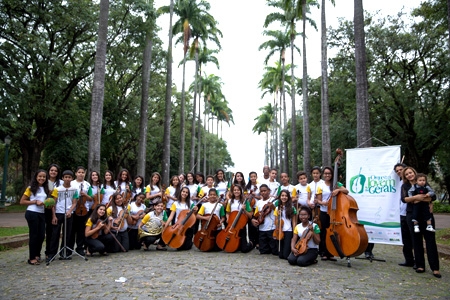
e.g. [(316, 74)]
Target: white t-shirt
[(134, 210), (65, 198), (302, 194), (269, 220)]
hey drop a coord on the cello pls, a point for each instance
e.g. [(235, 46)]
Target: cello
[(175, 235), (205, 239), (345, 237), (228, 239)]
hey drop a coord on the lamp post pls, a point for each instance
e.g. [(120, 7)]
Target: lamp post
[(5, 171)]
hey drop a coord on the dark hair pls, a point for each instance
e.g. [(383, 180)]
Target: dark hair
[(112, 184), (178, 187), (119, 177), (316, 168), (213, 190), (80, 167), (158, 184), (211, 176), (67, 172), (305, 208), (329, 169), (99, 181), (142, 184), (34, 186), (232, 194), (193, 176), (235, 182), (216, 178), (249, 184), (289, 211), (404, 171), (58, 177), (94, 215), (188, 198), (265, 186), (184, 175), (421, 175), (113, 204), (301, 173), (139, 194), (399, 165), (202, 176)]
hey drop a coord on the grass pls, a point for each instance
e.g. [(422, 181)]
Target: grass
[(443, 236), (10, 231), (15, 208)]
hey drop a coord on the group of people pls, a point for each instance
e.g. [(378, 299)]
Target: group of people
[(103, 215)]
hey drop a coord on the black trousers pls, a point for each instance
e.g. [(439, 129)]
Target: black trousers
[(407, 241), (285, 245), (103, 243), (150, 240), (48, 230), (304, 260), (77, 233), (324, 224), (56, 233), (267, 244), (36, 225)]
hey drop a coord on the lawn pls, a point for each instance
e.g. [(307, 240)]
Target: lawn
[(443, 236), (10, 231)]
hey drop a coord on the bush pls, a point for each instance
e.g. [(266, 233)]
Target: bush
[(439, 207)]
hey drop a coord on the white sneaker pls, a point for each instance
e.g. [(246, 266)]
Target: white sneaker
[(416, 228), (430, 228)]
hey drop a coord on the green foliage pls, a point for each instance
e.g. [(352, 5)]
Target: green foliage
[(440, 207), (443, 236), (10, 231)]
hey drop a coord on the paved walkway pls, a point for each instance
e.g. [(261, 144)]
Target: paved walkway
[(196, 275)]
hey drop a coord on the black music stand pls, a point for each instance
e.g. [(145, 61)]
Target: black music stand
[(368, 255), (63, 249)]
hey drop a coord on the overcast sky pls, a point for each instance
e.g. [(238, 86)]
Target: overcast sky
[(242, 65)]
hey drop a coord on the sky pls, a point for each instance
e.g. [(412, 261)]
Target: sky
[(242, 65)]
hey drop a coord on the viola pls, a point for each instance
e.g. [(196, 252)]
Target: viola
[(205, 239), (81, 209), (163, 195), (302, 243), (119, 222), (140, 214), (228, 239), (99, 222), (346, 237), (98, 198), (267, 209), (278, 233)]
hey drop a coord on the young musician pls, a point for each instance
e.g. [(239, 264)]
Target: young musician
[(153, 190), (236, 203), (183, 203), (109, 186), (98, 232), (54, 180), (65, 206), (137, 212), (182, 179), (267, 245), (272, 183), (285, 185), (313, 233), (313, 186), (123, 183), (151, 227), (200, 179), (289, 218), (172, 192), (138, 186), (34, 197), (239, 180), (204, 190), (324, 192), (301, 187), (121, 216), (193, 188), (97, 189), (210, 207), (81, 211), (253, 195)]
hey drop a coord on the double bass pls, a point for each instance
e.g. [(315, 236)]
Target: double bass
[(205, 239), (345, 237), (228, 239)]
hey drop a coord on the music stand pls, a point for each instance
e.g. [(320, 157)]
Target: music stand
[(64, 256), (370, 256)]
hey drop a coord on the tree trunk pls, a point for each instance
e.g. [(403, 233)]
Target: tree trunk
[(199, 147), (448, 23), (98, 90), (306, 142), (206, 122), (143, 121), (192, 154), (168, 107), (294, 148), (284, 166), (362, 104), (182, 121), (326, 144)]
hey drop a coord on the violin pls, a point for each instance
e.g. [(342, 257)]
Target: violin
[(99, 222), (140, 214), (163, 195), (278, 233), (228, 239), (346, 237), (175, 235), (302, 243), (267, 209), (119, 222), (81, 209), (205, 239), (98, 198)]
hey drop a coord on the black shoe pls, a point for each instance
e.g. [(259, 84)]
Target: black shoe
[(420, 270), (81, 252), (406, 264), (415, 267)]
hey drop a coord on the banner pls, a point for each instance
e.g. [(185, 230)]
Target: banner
[(371, 180)]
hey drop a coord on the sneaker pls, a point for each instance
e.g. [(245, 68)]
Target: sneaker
[(416, 228), (430, 228)]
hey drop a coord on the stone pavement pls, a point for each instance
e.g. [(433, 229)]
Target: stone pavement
[(196, 275)]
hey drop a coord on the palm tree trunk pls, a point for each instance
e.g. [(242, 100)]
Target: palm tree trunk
[(293, 115), (192, 156), (143, 121), (284, 165), (326, 144), (98, 90), (362, 104), (199, 125), (306, 142), (266, 150), (168, 107), (204, 138), (182, 120)]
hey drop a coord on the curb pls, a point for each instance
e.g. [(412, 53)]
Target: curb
[(14, 241)]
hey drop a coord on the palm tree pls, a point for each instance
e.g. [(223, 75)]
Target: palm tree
[(98, 90), (362, 103), (263, 124), (193, 16), (325, 110), (143, 118)]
